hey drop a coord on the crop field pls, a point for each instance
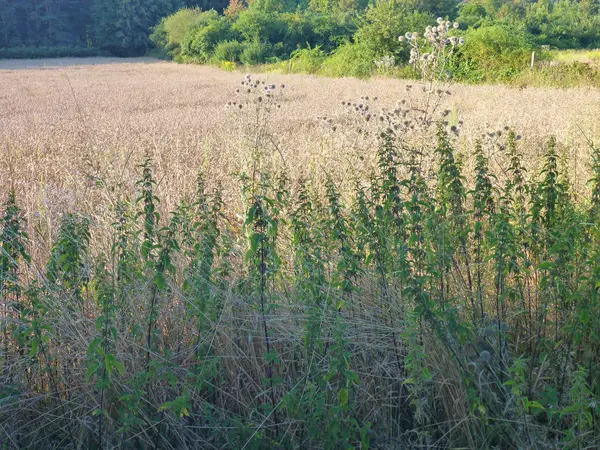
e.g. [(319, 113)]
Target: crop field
[(194, 258), (62, 122)]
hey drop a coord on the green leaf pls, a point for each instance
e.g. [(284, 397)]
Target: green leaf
[(91, 371), (343, 396)]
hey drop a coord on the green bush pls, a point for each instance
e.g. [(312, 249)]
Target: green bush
[(170, 32), (258, 25), (229, 51), (492, 53), (387, 20), (307, 60), (332, 30), (567, 24), (254, 53), (299, 32), (354, 60), (199, 44)]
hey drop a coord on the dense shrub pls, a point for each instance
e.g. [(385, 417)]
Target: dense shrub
[(492, 53), (332, 30), (170, 32), (306, 60), (564, 24), (350, 59), (258, 25), (384, 22), (200, 42), (255, 53), (229, 51)]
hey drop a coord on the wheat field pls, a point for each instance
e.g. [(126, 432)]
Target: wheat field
[(342, 275), (65, 123)]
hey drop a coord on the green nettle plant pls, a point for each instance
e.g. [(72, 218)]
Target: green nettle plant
[(421, 300), (13, 242), (68, 268), (101, 354), (263, 264)]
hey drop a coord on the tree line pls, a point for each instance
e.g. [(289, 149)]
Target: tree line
[(120, 27)]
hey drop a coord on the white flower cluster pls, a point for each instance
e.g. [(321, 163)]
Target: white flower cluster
[(385, 63), (430, 53)]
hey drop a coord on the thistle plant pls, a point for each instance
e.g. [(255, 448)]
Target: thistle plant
[(430, 53)]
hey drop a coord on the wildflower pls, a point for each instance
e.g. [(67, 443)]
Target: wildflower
[(401, 38), (454, 41), (408, 36), (439, 20), (461, 41), (414, 36), (455, 25)]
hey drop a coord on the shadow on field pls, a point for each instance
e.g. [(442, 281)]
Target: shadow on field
[(49, 63)]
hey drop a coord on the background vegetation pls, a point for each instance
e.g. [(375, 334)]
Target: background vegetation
[(342, 37)]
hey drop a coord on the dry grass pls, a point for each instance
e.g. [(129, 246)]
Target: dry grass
[(96, 117)]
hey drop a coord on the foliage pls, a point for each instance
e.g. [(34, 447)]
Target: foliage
[(123, 26), (229, 51), (495, 52), (254, 53), (200, 42), (384, 22), (170, 32), (350, 59)]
